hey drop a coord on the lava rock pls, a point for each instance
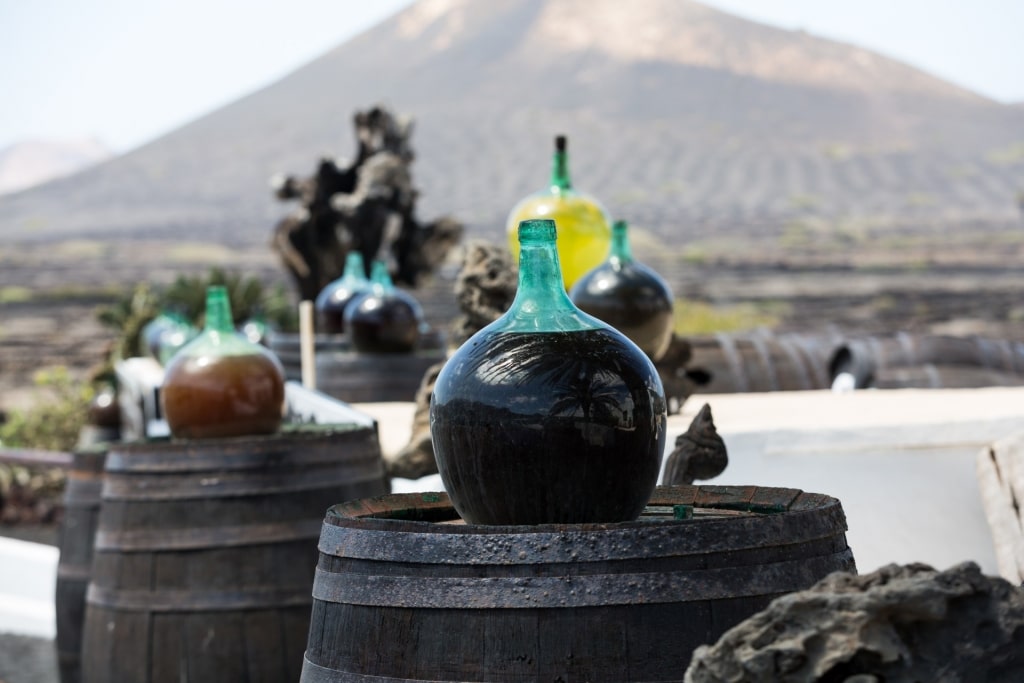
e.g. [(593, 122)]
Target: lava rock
[(899, 624)]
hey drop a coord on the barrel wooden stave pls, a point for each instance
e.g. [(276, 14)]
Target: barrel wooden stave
[(870, 359), (373, 377), (930, 376), (412, 598), (205, 553), (757, 362), (78, 527)]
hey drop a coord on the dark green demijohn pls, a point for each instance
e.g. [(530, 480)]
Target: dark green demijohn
[(383, 319), (547, 415), (331, 301), (629, 296)]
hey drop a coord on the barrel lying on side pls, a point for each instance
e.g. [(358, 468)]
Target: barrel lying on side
[(405, 592), (929, 361), (759, 361), (205, 552)]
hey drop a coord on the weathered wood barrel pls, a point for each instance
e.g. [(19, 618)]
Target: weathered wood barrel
[(759, 361), (369, 377), (205, 551), (81, 511), (929, 376), (353, 377), (286, 346), (405, 591), (867, 359)]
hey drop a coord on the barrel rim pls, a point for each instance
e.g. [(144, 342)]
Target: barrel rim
[(385, 512), (308, 445)]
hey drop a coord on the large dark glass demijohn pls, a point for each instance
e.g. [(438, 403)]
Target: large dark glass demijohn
[(547, 415), (629, 296)]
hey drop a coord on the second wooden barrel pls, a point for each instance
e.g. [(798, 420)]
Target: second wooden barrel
[(371, 377), (406, 592), (758, 361), (205, 551), (81, 511)]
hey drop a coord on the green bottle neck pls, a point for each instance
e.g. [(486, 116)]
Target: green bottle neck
[(620, 251), (218, 311), (541, 303), (560, 180), (381, 278), (355, 270)]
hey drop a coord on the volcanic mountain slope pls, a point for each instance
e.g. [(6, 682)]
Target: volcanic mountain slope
[(33, 162), (681, 119)]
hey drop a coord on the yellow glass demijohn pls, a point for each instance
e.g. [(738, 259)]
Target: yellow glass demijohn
[(584, 227)]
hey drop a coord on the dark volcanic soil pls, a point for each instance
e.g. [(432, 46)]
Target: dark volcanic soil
[(49, 294)]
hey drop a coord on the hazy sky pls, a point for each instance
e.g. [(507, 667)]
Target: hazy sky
[(127, 71)]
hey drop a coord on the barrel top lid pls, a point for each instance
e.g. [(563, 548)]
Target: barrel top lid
[(668, 504)]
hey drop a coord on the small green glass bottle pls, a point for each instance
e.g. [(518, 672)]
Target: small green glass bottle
[(220, 384), (547, 415), (583, 224), (165, 334), (629, 296), (383, 319), (331, 301)]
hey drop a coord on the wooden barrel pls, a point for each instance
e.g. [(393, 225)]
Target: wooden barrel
[(286, 346), (865, 359), (406, 592), (760, 361), (929, 376), (81, 510), (205, 551), (371, 377)]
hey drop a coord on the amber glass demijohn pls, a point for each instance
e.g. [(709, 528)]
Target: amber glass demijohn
[(629, 296), (220, 384), (547, 415), (582, 223), (383, 319), (331, 301)]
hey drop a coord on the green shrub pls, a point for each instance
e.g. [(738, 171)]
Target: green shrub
[(53, 422)]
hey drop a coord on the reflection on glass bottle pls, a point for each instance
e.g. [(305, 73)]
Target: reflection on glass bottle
[(220, 384), (384, 319), (331, 301), (583, 224), (629, 296), (547, 415)]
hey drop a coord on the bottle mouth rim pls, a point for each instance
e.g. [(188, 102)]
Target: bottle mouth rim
[(537, 230)]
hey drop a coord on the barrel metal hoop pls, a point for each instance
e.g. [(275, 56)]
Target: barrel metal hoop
[(358, 445), (575, 591), (761, 347), (372, 539), (314, 673), (185, 600), (818, 368), (83, 493), (74, 572), (799, 362), (206, 485), (197, 538), (732, 357)]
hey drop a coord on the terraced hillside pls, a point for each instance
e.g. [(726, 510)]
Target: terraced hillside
[(683, 119)]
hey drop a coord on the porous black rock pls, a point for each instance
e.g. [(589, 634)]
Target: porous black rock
[(899, 624)]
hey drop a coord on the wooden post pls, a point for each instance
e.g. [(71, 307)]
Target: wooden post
[(307, 344)]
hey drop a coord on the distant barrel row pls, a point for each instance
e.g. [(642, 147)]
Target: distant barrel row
[(762, 361)]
